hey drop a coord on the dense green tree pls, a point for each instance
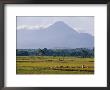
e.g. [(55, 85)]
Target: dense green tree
[(78, 52)]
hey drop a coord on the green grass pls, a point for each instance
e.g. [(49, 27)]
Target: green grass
[(53, 65)]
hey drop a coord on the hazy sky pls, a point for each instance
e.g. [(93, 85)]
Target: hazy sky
[(80, 24)]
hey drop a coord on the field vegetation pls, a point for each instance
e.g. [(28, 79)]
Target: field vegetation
[(54, 65)]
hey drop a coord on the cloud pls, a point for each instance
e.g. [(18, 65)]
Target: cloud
[(32, 27), (79, 29)]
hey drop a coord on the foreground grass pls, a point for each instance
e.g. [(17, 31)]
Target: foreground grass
[(53, 65)]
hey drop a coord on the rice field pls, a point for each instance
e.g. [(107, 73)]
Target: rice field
[(54, 65)]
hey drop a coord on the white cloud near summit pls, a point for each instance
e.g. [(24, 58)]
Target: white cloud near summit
[(32, 27)]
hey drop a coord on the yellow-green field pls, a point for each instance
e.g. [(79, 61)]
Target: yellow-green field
[(54, 65)]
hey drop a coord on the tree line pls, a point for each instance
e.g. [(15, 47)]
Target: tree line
[(78, 52)]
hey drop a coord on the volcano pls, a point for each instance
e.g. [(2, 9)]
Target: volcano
[(58, 35)]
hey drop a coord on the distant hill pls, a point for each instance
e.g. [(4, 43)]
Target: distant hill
[(59, 35)]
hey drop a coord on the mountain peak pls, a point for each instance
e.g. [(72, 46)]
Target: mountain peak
[(59, 23)]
